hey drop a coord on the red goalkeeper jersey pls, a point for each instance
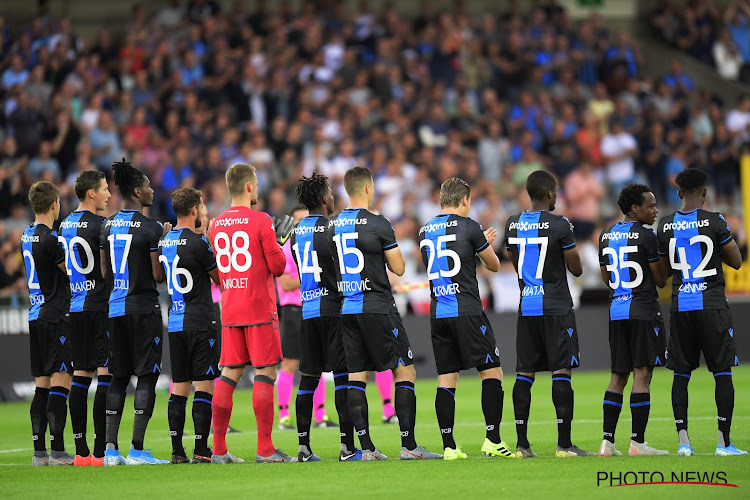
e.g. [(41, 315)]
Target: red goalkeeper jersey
[(248, 257)]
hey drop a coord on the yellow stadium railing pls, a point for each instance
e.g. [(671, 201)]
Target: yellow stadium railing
[(739, 281)]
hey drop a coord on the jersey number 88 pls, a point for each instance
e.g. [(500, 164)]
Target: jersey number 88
[(234, 256)]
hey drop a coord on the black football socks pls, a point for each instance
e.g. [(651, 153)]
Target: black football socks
[(562, 398), (79, 393), (341, 398), (521, 407), (612, 407), (304, 408), (680, 405), (100, 414), (202, 408), (38, 413), (724, 405), (115, 406), (406, 410), (57, 413), (358, 409), (145, 398), (176, 417), (445, 408), (492, 407)]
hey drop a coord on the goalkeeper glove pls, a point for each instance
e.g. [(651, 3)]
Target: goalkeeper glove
[(284, 226)]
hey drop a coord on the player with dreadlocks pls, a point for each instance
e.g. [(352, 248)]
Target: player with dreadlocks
[(321, 346), (130, 252)]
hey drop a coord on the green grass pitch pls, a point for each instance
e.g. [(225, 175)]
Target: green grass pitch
[(477, 477)]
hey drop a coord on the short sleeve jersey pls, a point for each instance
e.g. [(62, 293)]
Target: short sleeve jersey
[(536, 242), (187, 258), (49, 290), (449, 244), (360, 239), (314, 257), (248, 257), (81, 231), (128, 239), (626, 250), (692, 242)]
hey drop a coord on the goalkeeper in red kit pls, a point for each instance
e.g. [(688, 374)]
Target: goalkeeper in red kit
[(248, 256)]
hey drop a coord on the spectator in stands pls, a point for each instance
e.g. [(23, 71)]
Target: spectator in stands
[(583, 192), (619, 149), (44, 166), (104, 142), (16, 74), (727, 56)]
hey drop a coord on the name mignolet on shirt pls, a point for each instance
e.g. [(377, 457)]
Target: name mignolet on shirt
[(620, 236), (234, 283), (435, 227)]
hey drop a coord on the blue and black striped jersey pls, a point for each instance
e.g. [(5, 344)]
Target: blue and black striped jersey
[(449, 244), (360, 239), (187, 258), (314, 256), (79, 234), (536, 242), (692, 242), (49, 290), (625, 250), (128, 238)]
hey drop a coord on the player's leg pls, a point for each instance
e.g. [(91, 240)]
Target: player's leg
[(103, 380), (204, 362), (684, 357), (38, 410), (717, 343), (60, 366), (304, 413), (179, 355), (448, 364), (611, 408), (530, 357), (647, 349), (492, 407), (265, 351), (384, 381), (176, 409), (38, 414), (563, 355), (335, 361), (122, 369), (284, 388), (202, 406), (147, 332), (82, 344), (621, 365), (222, 405), (358, 364)]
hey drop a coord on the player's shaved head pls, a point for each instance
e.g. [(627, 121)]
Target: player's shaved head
[(184, 199), (539, 183), (356, 179), (238, 175), (691, 180), (452, 191), (42, 195)]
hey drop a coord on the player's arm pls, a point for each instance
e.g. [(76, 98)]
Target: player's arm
[(288, 282), (652, 255), (573, 261), (393, 257), (214, 273), (59, 256), (157, 270), (506, 243), (395, 261), (658, 273), (485, 251), (103, 261), (275, 257), (730, 252), (570, 252), (208, 260)]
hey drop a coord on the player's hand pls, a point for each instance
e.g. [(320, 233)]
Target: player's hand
[(284, 226), (490, 234), (167, 226), (208, 229)]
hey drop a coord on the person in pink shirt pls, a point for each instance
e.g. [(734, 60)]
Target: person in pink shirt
[(584, 191), (290, 316)]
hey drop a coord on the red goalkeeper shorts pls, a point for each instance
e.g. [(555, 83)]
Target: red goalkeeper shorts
[(257, 345)]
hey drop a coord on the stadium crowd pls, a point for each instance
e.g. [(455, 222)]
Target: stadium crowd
[(189, 88)]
